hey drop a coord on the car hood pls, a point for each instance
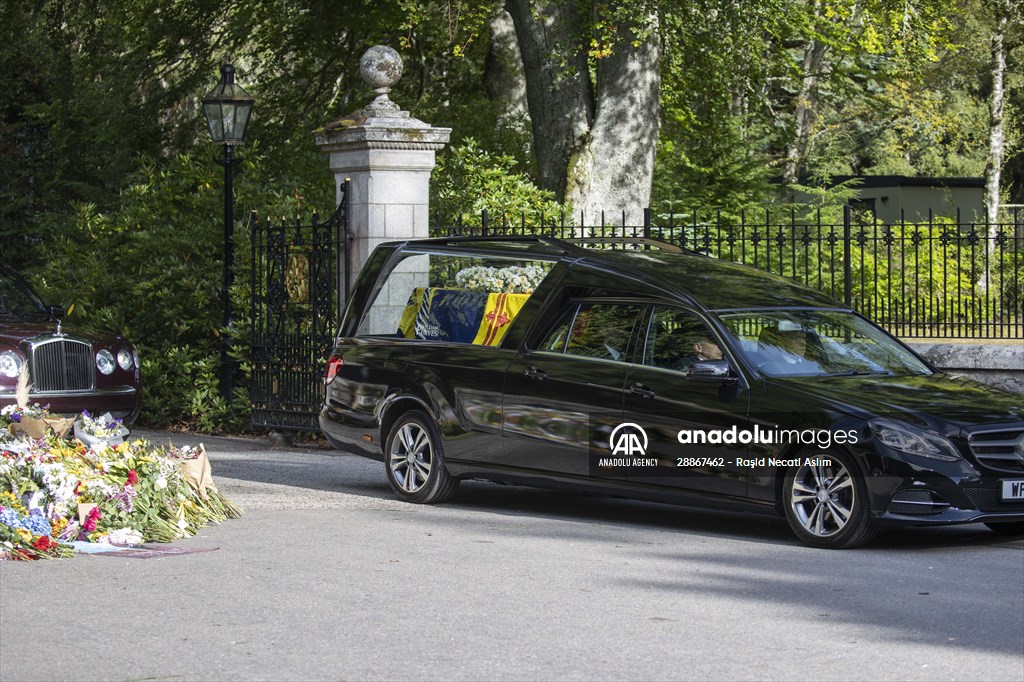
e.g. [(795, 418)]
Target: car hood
[(13, 330), (938, 401)]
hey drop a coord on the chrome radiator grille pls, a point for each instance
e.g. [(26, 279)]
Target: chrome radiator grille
[(1003, 449), (62, 365)]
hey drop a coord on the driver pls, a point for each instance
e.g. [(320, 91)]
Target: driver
[(707, 350)]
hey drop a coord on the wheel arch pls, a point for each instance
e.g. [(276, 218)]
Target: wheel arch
[(793, 450), (394, 406)]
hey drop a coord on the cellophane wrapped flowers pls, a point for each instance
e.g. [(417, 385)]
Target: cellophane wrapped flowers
[(53, 491)]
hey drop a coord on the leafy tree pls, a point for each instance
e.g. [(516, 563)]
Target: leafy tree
[(469, 180), (147, 270)]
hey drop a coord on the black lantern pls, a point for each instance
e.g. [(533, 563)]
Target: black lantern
[(227, 110)]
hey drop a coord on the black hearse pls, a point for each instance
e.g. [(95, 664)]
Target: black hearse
[(649, 372)]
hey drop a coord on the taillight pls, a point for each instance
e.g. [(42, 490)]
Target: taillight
[(334, 364)]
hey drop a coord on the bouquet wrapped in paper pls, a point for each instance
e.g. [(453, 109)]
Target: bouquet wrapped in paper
[(34, 421), (194, 465), (99, 432)]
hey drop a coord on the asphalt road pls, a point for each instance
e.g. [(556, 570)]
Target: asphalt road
[(328, 577)]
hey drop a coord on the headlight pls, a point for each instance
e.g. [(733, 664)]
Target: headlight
[(105, 361), (10, 364), (124, 359), (914, 441)]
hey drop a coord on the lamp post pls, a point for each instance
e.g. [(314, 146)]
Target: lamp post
[(227, 110)]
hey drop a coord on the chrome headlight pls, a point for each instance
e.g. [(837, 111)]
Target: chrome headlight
[(124, 359), (913, 441), (10, 364), (105, 361)]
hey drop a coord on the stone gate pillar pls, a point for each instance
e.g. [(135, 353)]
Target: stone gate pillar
[(388, 155)]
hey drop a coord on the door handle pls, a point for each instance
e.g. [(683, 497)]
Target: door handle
[(536, 374), (642, 391)]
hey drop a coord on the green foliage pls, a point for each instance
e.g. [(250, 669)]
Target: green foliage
[(929, 273), (468, 180), (151, 270)]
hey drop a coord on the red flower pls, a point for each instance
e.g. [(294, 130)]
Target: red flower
[(133, 478), (44, 544), (78, 488), (90, 521)]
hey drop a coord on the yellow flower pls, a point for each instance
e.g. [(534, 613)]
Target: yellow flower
[(57, 526)]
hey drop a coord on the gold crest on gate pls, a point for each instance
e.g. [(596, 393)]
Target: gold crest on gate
[(296, 279)]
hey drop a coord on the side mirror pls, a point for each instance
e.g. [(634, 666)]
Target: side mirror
[(56, 312), (711, 371)]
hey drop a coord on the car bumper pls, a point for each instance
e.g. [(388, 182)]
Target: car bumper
[(347, 429), (122, 402), (946, 494)]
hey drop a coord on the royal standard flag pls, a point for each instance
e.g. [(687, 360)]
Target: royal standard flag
[(499, 312), (459, 316)]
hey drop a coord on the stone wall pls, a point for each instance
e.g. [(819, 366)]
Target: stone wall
[(996, 364)]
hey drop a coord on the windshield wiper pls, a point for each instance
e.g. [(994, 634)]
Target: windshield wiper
[(861, 373)]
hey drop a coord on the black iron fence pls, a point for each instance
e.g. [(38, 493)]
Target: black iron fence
[(295, 283), (935, 278)]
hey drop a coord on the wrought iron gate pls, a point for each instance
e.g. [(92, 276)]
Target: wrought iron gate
[(295, 294)]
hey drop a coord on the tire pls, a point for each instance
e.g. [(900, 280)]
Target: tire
[(414, 461), (827, 506), (1007, 528)]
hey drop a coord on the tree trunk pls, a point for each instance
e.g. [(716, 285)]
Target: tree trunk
[(504, 78), (595, 145), (994, 163), (612, 169), (806, 100), (558, 90)]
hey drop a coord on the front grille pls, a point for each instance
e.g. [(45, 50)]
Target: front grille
[(917, 502), (1002, 450), (987, 500), (62, 365)]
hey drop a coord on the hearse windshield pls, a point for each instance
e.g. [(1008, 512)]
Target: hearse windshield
[(789, 343)]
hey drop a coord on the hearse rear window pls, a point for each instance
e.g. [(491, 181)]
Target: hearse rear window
[(452, 298)]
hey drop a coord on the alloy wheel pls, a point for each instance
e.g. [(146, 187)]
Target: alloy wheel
[(822, 498), (410, 457)]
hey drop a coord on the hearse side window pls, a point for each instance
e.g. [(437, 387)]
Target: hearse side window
[(598, 330), (554, 342), (678, 338), (451, 298)]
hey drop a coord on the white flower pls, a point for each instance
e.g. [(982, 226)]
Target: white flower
[(160, 483), (182, 524), (37, 501), (124, 536)]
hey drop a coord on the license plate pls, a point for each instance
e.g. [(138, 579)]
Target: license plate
[(1012, 490)]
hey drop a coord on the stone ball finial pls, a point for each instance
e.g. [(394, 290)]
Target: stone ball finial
[(380, 67)]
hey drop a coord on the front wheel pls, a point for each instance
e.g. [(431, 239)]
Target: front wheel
[(414, 460), (826, 502)]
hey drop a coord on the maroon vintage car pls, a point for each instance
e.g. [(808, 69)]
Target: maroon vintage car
[(69, 370)]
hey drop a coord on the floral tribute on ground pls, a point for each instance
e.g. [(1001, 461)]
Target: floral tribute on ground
[(57, 487)]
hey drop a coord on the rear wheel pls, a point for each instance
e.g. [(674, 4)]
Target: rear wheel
[(827, 504), (1007, 528), (414, 460)]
